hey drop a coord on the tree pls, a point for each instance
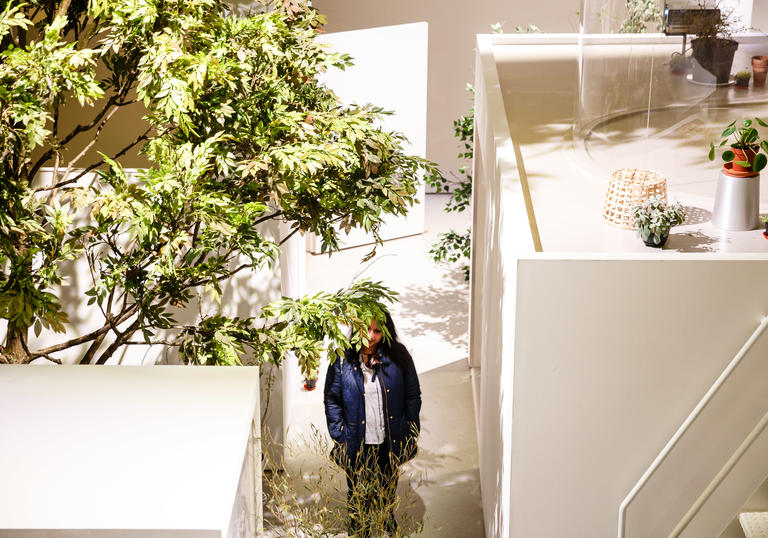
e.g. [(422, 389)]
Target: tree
[(237, 132)]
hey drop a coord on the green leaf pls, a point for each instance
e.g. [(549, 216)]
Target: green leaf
[(728, 156), (760, 161)]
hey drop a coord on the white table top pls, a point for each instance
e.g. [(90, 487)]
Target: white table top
[(568, 177)]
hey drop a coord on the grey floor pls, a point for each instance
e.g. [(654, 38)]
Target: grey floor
[(440, 488)]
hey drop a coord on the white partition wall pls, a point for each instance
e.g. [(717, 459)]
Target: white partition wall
[(390, 71), (593, 350), (611, 356), (129, 452)]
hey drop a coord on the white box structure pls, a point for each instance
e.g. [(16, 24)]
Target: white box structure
[(129, 452), (620, 389)]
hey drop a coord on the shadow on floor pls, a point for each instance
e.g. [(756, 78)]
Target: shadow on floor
[(440, 307)]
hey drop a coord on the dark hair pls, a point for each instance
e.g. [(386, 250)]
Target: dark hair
[(392, 346)]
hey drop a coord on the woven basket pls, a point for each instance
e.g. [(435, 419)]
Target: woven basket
[(627, 188)]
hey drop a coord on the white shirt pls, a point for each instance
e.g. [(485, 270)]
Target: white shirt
[(374, 406)]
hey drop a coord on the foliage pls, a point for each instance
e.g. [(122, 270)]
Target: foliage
[(712, 28), (742, 77), (498, 28), (238, 133), (641, 14), (453, 247), (745, 138), (654, 218), (678, 62), (313, 501)]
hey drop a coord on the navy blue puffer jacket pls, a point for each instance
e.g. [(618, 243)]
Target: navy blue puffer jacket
[(345, 405)]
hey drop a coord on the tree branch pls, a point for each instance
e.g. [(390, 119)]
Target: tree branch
[(287, 237), (96, 165), (273, 215), (63, 8), (119, 341), (117, 99), (52, 359), (87, 337), (156, 343)]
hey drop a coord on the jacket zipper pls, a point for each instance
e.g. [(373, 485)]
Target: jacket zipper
[(386, 407)]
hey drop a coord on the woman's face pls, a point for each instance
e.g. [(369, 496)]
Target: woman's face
[(374, 336)]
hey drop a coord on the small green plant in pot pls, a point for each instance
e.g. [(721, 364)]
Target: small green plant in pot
[(654, 218), (678, 63), (765, 221), (742, 78), (744, 157)]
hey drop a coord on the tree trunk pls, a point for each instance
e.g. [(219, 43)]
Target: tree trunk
[(14, 351)]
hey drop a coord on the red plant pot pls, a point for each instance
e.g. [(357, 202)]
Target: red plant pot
[(759, 70), (744, 155)]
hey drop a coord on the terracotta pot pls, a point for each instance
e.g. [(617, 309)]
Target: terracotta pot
[(729, 171), (713, 58), (759, 70), (744, 155)]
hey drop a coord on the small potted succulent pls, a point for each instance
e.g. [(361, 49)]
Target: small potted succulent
[(654, 218), (744, 158), (678, 63), (742, 78)]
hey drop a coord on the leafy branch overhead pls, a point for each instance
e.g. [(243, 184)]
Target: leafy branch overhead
[(237, 132)]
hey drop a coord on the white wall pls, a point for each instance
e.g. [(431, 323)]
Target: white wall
[(390, 72), (453, 25), (610, 357), (499, 205), (588, 364)]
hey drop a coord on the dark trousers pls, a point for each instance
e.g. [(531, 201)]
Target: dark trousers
[(371, 488)]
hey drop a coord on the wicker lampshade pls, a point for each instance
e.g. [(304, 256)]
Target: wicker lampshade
[(627, 188)]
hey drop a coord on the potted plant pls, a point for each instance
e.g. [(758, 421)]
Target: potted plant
[(765, 221), (742, 79), (678, 63), (310, 378), (759, 69), (744, 158), (654, 218), (712, 49)]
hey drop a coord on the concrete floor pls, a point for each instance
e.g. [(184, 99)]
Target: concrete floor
[(440, 487)]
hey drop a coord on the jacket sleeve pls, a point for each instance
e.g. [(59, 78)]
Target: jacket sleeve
[(333, 400), (412, 396)]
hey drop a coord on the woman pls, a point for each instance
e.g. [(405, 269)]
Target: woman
[(372, 402)]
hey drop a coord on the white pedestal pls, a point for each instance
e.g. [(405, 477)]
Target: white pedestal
[(129, 452), (737, 203)]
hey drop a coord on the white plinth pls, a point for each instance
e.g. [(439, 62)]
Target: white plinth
[(125, 451), (737, 203)]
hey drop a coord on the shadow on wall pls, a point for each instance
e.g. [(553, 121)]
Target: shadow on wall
[(440, 307)]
